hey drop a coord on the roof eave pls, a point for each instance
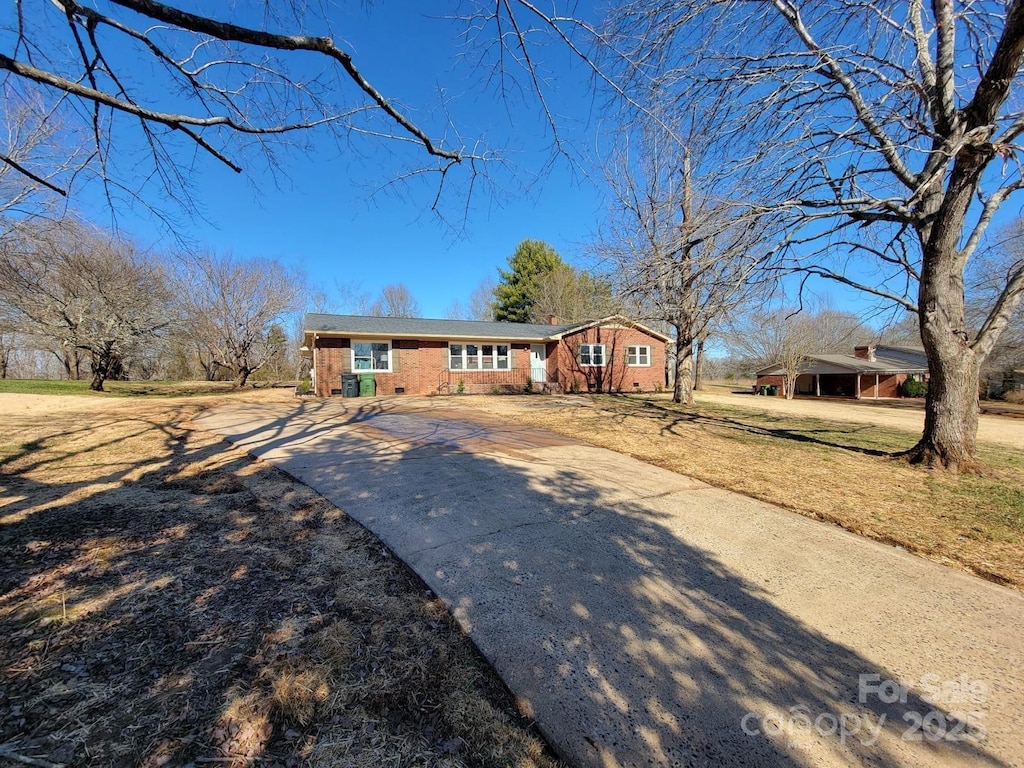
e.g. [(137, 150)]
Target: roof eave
[(616, 318), (432, 336)]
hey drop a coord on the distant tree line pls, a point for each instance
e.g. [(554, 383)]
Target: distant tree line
[(77, 302), (96, 306)]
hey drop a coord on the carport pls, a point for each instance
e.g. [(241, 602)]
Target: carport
[(845, 376)]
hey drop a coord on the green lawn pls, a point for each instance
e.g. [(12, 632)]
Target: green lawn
[(121, 388), (45, 387)]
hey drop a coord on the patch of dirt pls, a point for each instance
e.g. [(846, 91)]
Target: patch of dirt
[(167, 600)]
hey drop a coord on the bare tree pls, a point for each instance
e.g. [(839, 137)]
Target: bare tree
[(782, 338), (482, 303), (572, 295), (33, 153), (683, 246), (237, 81), (904, 330), (395, 300), (236, 84), (232, 306), (787, 337), (348, 298), (83, 291), (986, 277), (479, 306), (836, 331), (8, 337), (699, 364), (888, 130), (456, 310)]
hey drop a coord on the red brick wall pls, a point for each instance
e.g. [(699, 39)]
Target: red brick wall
[(615, 375), (331, 359), (485, 382), (334, 357), (888, 385), (420, 367), (405, 365), (773, 381), (416, 367)]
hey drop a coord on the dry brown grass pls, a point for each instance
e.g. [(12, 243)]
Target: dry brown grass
[(830, 471), (166, 599)]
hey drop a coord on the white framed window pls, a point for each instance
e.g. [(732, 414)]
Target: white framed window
[(372, 356), (638, 356), (591, 355), (475, 356)]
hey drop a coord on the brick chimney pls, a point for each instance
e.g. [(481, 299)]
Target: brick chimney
[(865, 352), (552, 319)]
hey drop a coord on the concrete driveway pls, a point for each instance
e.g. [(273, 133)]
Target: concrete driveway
[(647, 619)]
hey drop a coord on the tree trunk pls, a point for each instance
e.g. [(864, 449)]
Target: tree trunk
[(209, 370), (100, 363), (682, 392), (951, 406), (790, 384), (65, 361), (698, 371), (241, 376)]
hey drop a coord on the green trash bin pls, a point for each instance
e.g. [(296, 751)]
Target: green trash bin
[(367, 385)]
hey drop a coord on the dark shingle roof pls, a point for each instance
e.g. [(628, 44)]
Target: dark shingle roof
[(361, 325), (854, 364), (878, 365)]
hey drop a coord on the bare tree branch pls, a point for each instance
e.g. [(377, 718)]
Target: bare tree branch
[(888, 115)]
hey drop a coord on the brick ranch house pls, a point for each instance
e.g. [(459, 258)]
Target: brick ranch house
[(420, 356), (873, 371)]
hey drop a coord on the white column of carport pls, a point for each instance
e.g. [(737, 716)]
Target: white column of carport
[(856, 386), (876, 386), (316, 389), (817, 385)]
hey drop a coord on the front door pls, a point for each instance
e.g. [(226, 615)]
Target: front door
[(538, 363)]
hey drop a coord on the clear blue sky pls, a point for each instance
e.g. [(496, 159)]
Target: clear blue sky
[(325, 211), (326, 215)]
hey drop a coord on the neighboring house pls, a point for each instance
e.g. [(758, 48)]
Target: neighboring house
[(873, 371), (421, 356)]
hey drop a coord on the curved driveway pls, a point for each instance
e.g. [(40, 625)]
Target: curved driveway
[(645, 618)]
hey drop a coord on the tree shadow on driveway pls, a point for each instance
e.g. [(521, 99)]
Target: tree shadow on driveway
[(630, 644), (168, 601)]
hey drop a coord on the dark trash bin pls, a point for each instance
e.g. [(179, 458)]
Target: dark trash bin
[(349, 385), (773, 391), (367, 385)]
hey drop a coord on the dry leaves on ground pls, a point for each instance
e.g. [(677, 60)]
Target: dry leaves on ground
[(166, 600)]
